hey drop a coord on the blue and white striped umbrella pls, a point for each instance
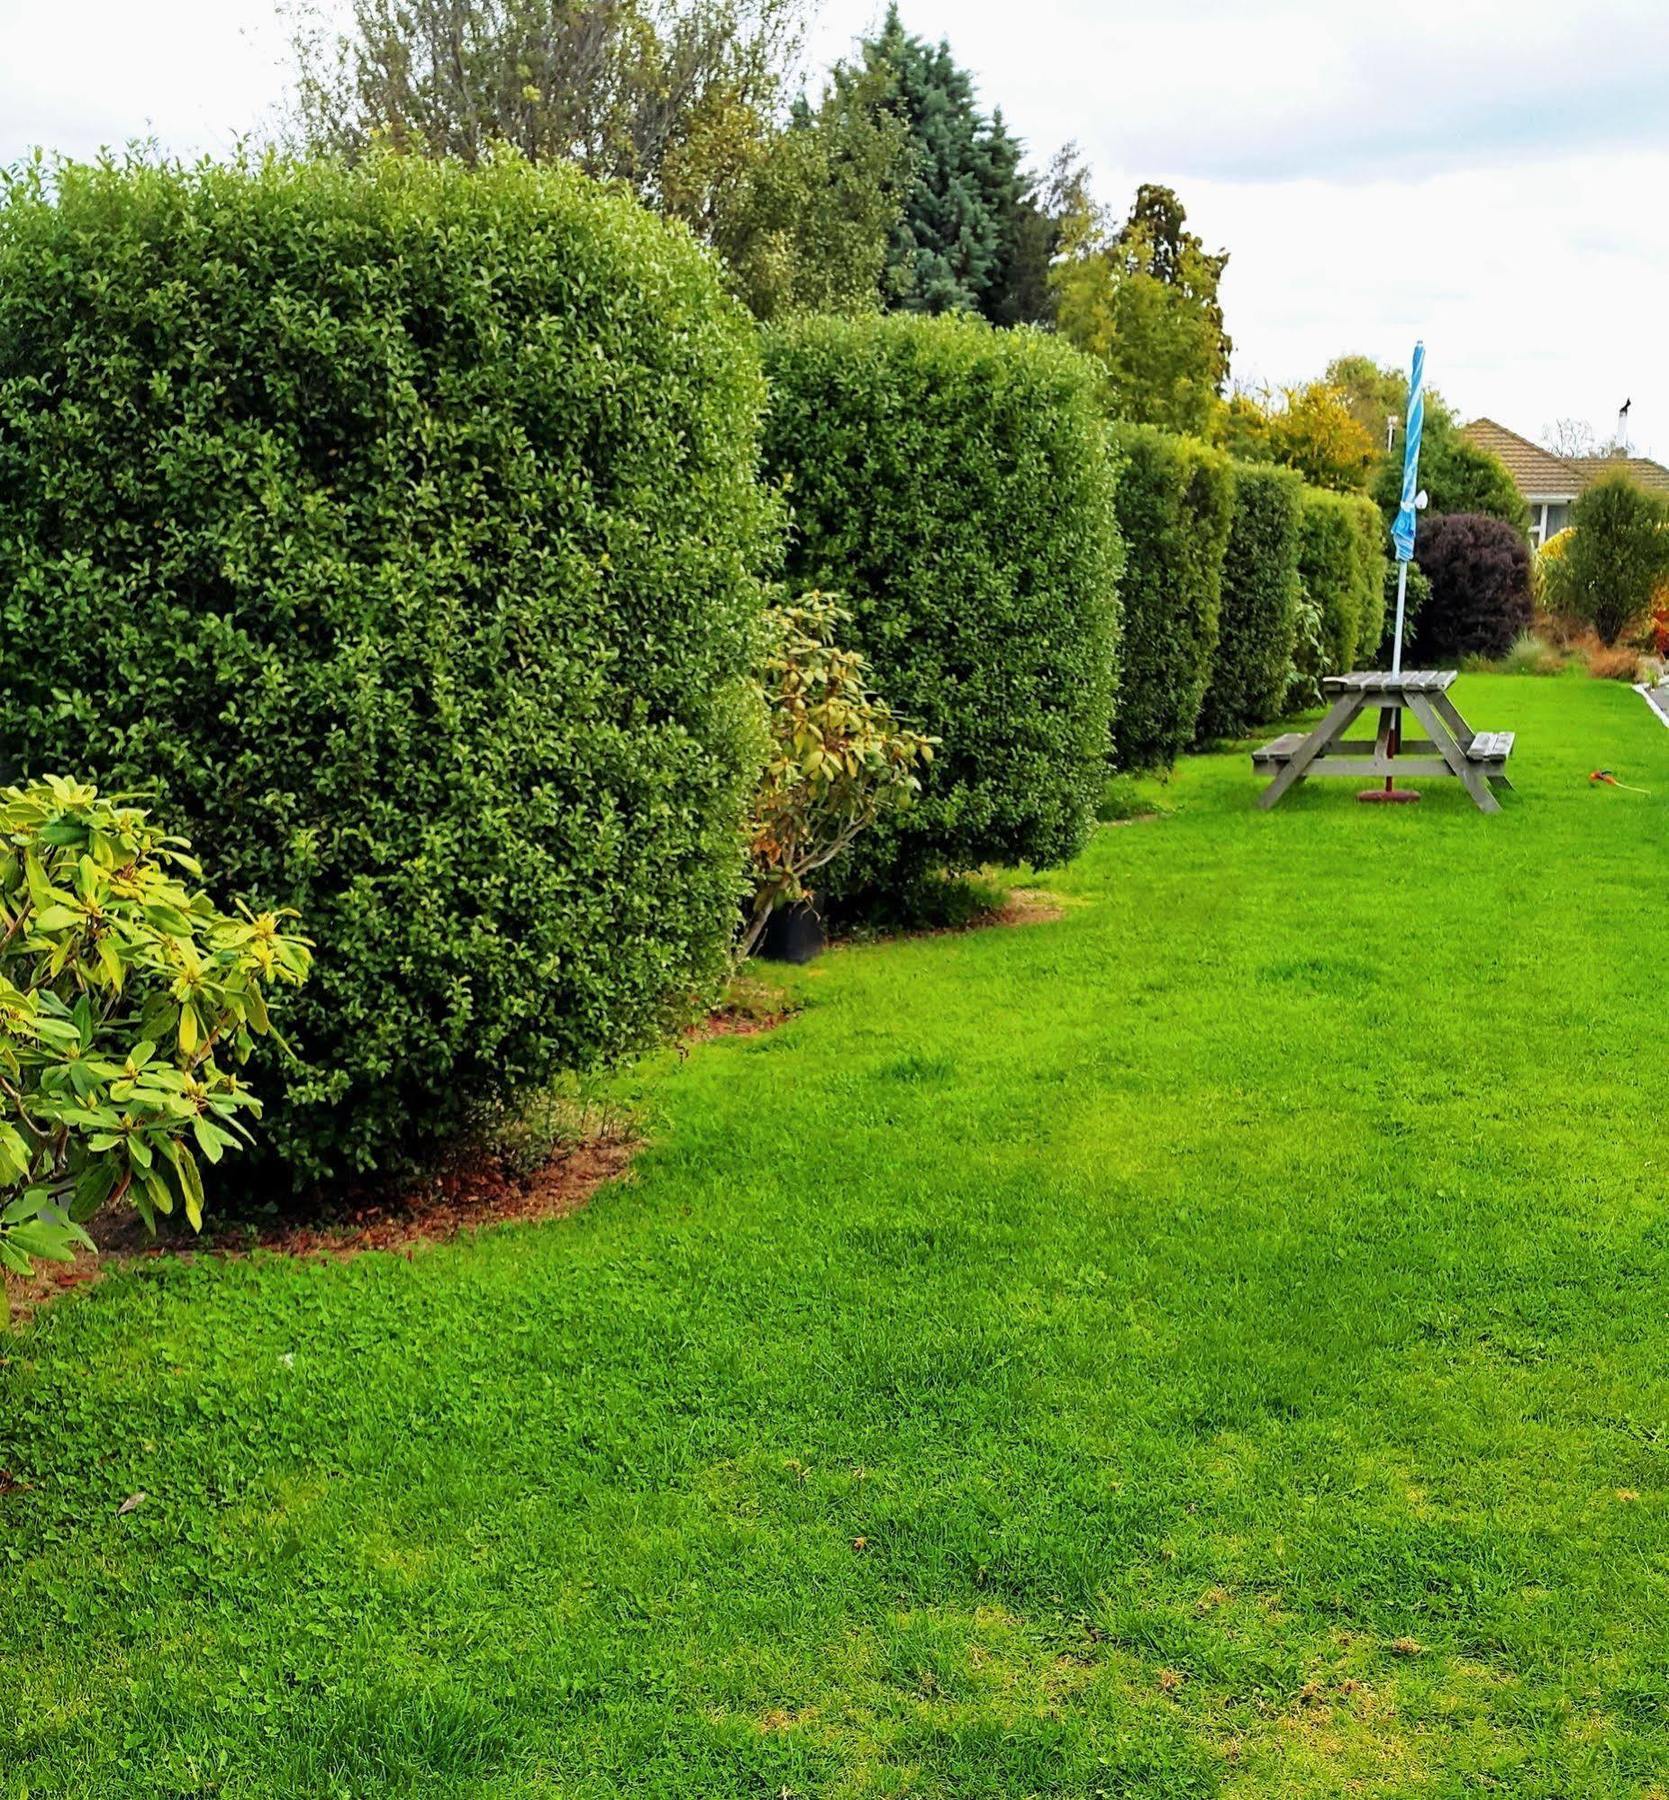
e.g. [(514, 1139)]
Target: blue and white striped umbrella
[(1402, 532)]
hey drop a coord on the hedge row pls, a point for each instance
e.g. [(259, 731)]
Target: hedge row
[(1342, 565), (1261, 589), (954, 483), (1175, 508), (398, 529), (401, 531)]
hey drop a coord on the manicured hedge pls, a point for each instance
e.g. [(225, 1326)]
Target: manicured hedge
[(1175, 507), (398, 528), (955, 484), (1479, 571), (1342, 565), (1259, 614)]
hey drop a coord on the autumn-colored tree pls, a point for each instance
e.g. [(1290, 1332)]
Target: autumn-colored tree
[(1308, 427), (1458, 475), (1372, 394)]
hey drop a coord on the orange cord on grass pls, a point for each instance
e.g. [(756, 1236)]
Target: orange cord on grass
[(1610, 780)]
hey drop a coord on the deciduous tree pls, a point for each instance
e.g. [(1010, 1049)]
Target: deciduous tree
[(1144, 302), (670, 96)]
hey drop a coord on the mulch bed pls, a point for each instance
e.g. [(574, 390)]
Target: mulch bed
[(467, 1197)]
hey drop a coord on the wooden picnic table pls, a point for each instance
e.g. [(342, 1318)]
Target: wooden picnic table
[(1477, 759)]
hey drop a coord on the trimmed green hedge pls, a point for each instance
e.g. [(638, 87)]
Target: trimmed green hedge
[(1259, 617), (1175, 508), (398, 527), (1342, 565), (954, 484)]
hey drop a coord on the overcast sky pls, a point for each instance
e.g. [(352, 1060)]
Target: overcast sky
[(1492, 174)]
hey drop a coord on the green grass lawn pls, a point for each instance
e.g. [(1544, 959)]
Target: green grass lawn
[(1213, 1344)]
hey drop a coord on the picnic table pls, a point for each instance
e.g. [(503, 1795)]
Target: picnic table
[(1477, 759)]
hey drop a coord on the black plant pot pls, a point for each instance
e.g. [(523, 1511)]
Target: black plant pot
[(795, 934)]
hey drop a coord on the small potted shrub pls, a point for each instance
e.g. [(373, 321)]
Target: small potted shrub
[(838, 759)]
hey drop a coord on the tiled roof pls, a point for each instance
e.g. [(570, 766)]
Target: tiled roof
[(1540, 475), (1639, 469), (1537, 473)]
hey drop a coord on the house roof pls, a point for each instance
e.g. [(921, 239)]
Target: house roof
[(1639, 469), (1537, 473), (1540, 475)]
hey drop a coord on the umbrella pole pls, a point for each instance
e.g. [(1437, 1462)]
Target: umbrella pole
[(1393, 735), (1402, 601), (1396, 668)]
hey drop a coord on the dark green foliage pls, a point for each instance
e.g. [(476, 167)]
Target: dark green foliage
[(1479, 570), (1175, 507), (1459, 477), (953, 483), (972, 237), (1616, 558), (397, 528), (1342, 565), (1259, 616), (1419, 592)]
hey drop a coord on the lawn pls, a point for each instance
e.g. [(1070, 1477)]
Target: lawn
[(1211, 1344)]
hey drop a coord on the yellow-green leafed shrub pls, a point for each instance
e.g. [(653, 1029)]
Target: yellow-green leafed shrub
[(398, 527), (128, 1001), (1616, 558), (953, 483), (1175, 508)]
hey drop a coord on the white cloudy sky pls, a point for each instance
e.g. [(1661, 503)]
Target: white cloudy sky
[(1492, 174)]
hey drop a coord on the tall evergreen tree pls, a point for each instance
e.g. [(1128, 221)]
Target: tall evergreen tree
[(971, 236)]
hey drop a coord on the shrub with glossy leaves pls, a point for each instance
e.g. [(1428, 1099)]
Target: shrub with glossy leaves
[(1175, 508), (1259, 616), (1342, 565), (398, 527), (1479, 570), (954, 484), (127, 1000), (838, 757)]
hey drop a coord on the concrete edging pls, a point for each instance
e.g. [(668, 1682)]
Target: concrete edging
[(1657, 698)]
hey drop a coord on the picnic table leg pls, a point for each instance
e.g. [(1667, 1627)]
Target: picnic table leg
[(1385, 746), (1471, 776), (1338, 719), (1450, 713)]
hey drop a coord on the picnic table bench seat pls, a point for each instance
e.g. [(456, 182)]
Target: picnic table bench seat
[(1490, 746), (1277, 750)]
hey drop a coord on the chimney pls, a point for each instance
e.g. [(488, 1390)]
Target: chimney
[(1622, 427)]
